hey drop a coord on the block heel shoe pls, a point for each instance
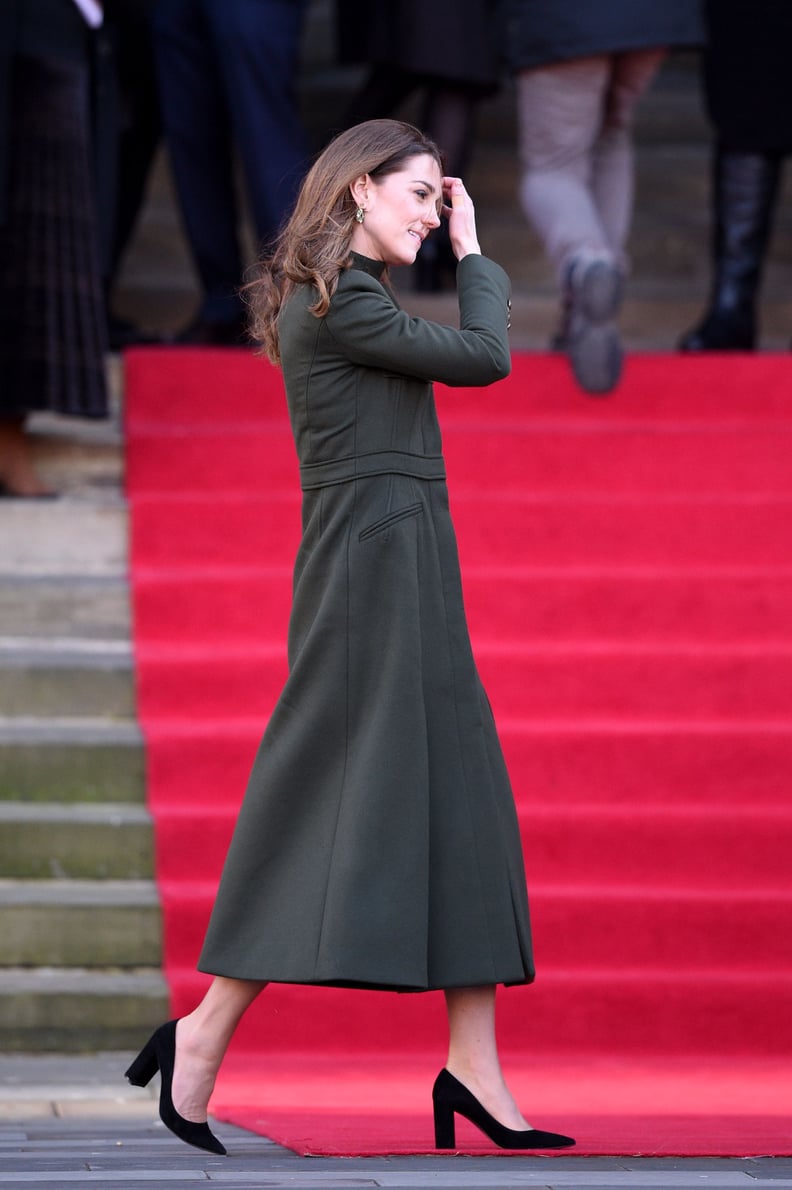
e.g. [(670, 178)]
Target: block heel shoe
[(159, 1053), (450, 1097)]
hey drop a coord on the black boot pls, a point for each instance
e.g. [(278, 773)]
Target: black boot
[(744, 189)]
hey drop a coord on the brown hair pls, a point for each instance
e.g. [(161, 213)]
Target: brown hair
[(313, 247)]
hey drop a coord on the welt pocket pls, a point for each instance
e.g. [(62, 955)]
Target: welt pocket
[(393, 518)]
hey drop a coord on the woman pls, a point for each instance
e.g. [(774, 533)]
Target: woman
[(581, 69), (379, 791)]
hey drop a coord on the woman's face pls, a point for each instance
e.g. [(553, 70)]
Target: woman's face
[(400, 211)]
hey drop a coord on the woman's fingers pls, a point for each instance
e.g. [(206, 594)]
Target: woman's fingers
[(454, 192), (458, 209), (455, 196)]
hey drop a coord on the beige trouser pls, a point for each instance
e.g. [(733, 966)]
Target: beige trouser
[(576, 151)]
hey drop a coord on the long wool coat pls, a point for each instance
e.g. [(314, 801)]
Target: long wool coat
[(378, 844)]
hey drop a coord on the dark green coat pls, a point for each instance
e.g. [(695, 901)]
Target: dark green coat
[(378, 844)]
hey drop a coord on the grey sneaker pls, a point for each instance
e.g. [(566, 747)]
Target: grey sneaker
[(593, 298)]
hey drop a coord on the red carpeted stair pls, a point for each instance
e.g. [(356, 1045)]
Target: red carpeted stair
[(628, 576)]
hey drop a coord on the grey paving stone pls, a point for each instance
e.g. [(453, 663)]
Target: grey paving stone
[(101, 1178), (657, 1180), (119, 1152)]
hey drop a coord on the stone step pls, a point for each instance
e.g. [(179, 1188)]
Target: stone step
[(80, 457), (72, 1011), (79, 923), (71, 760), (45, 841), (66, 677), (68, 536), (90, 608), (72, 465)]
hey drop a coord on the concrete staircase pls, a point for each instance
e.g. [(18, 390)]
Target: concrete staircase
[(80, 940)]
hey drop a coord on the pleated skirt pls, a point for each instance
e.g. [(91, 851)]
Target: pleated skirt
[(53, 337)]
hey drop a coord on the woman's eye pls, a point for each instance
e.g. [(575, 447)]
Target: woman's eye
[(422, 193)]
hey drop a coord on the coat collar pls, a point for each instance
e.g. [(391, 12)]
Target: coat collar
[(374, 268)]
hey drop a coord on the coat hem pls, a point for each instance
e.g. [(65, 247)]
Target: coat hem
[(374, 985)]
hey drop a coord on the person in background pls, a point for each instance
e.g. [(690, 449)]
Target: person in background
[(748, 91), (447, 53), (227, 73), (53, 335), (581, 68), (139, 132), (378, 845)]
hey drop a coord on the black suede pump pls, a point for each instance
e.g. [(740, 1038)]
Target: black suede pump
[(159, 1053), (450, 1096)]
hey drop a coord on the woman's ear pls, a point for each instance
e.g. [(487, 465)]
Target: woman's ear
[(360, 190)]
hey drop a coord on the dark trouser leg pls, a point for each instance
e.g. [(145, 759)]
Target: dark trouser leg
[(198, 132), (141, 125), (257, 44), (744, 192), (138, 138)]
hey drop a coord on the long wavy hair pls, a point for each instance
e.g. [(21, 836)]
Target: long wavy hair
[(314, 246)]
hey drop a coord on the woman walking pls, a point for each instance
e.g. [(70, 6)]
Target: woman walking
[(378, 844)]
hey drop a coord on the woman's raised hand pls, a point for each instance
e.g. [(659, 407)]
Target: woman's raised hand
[(458, 209)]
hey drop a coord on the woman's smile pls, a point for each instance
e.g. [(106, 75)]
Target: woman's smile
[(410, 194)]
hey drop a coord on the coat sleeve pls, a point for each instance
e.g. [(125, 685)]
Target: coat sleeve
[(371, 330)]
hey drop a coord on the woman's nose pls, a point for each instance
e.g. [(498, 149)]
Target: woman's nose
[(434, 218)]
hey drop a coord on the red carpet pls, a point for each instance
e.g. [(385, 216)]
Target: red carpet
[(639, 659), (371, 1106)]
